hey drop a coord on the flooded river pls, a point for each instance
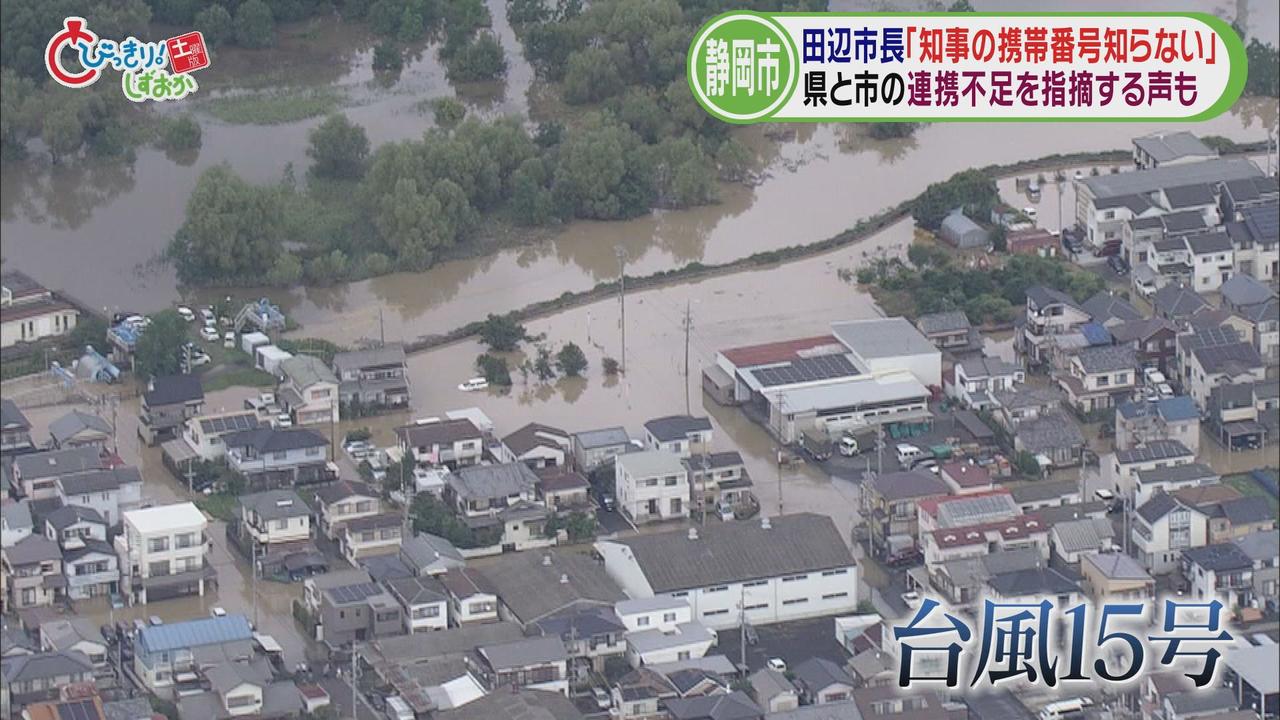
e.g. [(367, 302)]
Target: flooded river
[(116, 218)]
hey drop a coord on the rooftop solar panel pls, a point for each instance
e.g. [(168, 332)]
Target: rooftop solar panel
[(810, 369), (354, 593), (229, 423), (78, 710)]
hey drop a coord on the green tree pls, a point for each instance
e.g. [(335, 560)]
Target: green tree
[(502, 333), (157, 351), (63, 133), (448, 112), (571, 360), (1264, 69), (387, 58), (494, 369), (216, 24), (531, 200), (254, 25), (338, 148), (591, 76), (968, 188), (734, 160), (180, 133), (231, 233), (480, 59), (543, 366), (1026, 464), (961, 6), (412, 26), (286, 271)]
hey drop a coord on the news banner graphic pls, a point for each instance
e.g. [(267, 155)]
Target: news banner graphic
[(1018, 642), (148, 70), (746, 67)]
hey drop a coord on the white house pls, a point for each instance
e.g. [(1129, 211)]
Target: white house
[(1222, 571), (455, 442), (92, 569), (1171, 478), (1120, 469), (682, 435), (471, 598), (372, 535), (1212, 259), (29, 311), (799, 567), (502, 499), (275, 517), (977, 379), (1097, 376), (163, 552), (539, 446), (1164, 527), (203, 433), (343, 501), (425, 601), (651, 485), (277, 455), (109, 492), (685, 641), (309, 390)]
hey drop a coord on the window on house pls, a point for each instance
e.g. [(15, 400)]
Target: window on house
[(642, 621), (282, 524)]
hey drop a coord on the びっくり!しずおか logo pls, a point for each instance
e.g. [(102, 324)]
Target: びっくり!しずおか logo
[(148, 70)]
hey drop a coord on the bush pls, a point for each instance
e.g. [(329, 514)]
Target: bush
[(179, 133), (502, 333), (387, 58), (610, 366), (480, 59), (571, 360), (494, 369), (449, 112), (360, 434)]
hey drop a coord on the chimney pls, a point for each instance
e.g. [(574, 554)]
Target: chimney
[(693, 533)]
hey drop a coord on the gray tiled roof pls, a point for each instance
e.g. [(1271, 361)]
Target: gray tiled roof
[(11, 416), (1191, 472), (734, 552), (53, 463), (1145, 181), (1154, 450), (1054, 430), (1184, 196), (1163, 147), (68, 515), (604, 437), (45, 666), (529, 583), (676, 427), (1083, 534), (74, 422), (389, 354), (819, 673), (1116, 566), (32, 549), (1212, 242), (939, 322), (307, 370), (1104, 306), (266, 439), (1178, 301), (909, 484), (1108, 358), (480, 482), (94, 481), (523, 653), (275, 504)]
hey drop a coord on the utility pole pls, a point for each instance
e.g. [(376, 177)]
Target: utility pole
[(702, 485), (622, 304), (742, 625), (382, 331), (782, 417), (688, 327), (253, 568), (355, 707)]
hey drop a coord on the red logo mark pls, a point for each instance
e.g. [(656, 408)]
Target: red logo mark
[(74, 32), (187, 52)]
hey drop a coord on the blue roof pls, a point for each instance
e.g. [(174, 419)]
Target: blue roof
[(1095, 333), (195, 633), (1177, 408)]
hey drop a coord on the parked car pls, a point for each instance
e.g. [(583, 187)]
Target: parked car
[(725, 511), (186, 313), (284, 421), (1118, 265), (1079, 175), (776, 663), (229, 339), (911, 598), (907, 453), (603, 701), (155, 620), (217, 612), (208, 333), (206, 314), (475, 383)]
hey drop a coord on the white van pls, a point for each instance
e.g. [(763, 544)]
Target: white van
[(1065, 709), (398, 709), (908, 453)]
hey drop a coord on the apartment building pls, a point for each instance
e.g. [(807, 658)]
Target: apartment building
[(164, 552)]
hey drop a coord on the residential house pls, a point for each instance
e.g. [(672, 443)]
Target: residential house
[(430, 555), (562, 489), (358, 612), (1140, 422), (78, 428), (109, 491), (538, 663), (735, 705), (681, 435), (720, 479), (501, 500), (15, 429), (33, 574), (1222, 572), (801, 567), (1238, 196), (1257, 240), (978, 379), (164, 552), (1016, 533), (35, 475), (1163, 528), (1053, 437), (203, 433), (372, 535), (163, 652), (1263, 548), (31, 312), (77, 634), (308, 390), (1120, 469), (889, 504), (245, 689), (1154, 339), (773, 692), (535, 585), (1039, 494), (1164, 149), (1251, 672), (314, 587), (662, 629), (652, 485), (92, 568), (1023, 403), (539, 446), (15, 521), (1140, 236), (1171, 479), (472, 599), (1110, 310), (271, 526), (1033, 585), (1216, 356), (949, 329), (822, 682), (1178, 304), (169, 402), (518, 704), (965, 478), (453, 443), (270, 456), (1074, 538), (73, 522), (1214, 500), (963, 233), (1048, 313), (1099, 377), (1212, 258), (592, 448), (37, 677), (641, 695), (1115, 576), (1032, 241), (1245, 415), (375, 377), (591, 635), (342, 501)]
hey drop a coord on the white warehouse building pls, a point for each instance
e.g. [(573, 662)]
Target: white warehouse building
[(768, 571)]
